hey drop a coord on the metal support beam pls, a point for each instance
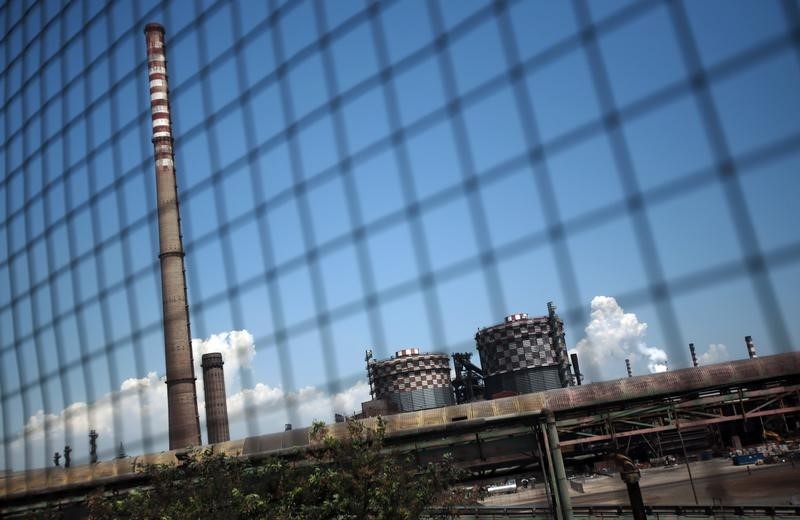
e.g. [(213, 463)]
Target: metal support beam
[(558, 466), (550, 475), (788, 409), (668, 427), (610, 426), (630, 474), (686, 460)]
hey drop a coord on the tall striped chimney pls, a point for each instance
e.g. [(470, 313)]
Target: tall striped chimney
[(628, 367), (751, 348), (184, 423)]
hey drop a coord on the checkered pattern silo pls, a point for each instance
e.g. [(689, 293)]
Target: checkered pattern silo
[(413, 381), (524, 354)]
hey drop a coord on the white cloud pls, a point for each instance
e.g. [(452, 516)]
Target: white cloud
[(613, 335), (268, 408), (716, 353), (141, 410), (237, 348)]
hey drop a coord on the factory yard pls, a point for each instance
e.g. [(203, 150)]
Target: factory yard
[(715, 480)]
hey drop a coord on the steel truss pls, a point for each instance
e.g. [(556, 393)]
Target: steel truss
[(680, 413)]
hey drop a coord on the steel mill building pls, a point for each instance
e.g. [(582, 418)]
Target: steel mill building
[(524, 354)]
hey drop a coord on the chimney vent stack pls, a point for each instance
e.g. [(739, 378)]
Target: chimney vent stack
[(184, 422)]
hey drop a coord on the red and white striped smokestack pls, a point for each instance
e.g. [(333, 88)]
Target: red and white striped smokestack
[(184, 422)]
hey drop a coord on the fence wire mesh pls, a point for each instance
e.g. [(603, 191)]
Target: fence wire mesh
[(358, 174)]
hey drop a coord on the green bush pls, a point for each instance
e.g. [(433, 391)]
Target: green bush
[(354, 478)]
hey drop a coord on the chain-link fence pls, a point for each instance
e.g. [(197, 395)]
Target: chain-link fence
[(360, 174)]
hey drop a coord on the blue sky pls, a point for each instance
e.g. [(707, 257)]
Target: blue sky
[(478, 175)]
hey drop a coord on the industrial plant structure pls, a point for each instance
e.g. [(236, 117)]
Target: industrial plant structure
[(519, 356), (409, 381), (522, 358), (216, 403), (524, 354), (516, 400), (592, 420), (184, 422)]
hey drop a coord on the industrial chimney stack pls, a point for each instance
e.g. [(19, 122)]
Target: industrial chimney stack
[(576, 369), (751, 348), (216, 404), (694, 355), (184, 423), (628, 367)]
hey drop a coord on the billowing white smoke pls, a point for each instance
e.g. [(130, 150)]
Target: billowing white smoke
[(656, 358), (613, 335), (716, 353), (139, 409)]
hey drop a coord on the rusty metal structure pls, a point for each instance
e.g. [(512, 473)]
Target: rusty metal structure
[(468, 382), (559, 343), (184, 422), (216, 402)]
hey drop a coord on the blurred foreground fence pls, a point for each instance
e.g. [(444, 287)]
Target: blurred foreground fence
[(380, 174)]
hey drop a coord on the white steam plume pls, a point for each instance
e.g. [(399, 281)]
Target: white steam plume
[(613, 335)]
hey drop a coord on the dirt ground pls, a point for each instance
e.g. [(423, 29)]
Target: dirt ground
[(714, 481)]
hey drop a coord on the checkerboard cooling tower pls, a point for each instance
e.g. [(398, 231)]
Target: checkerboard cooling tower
[(413, 381), (524, 354)]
